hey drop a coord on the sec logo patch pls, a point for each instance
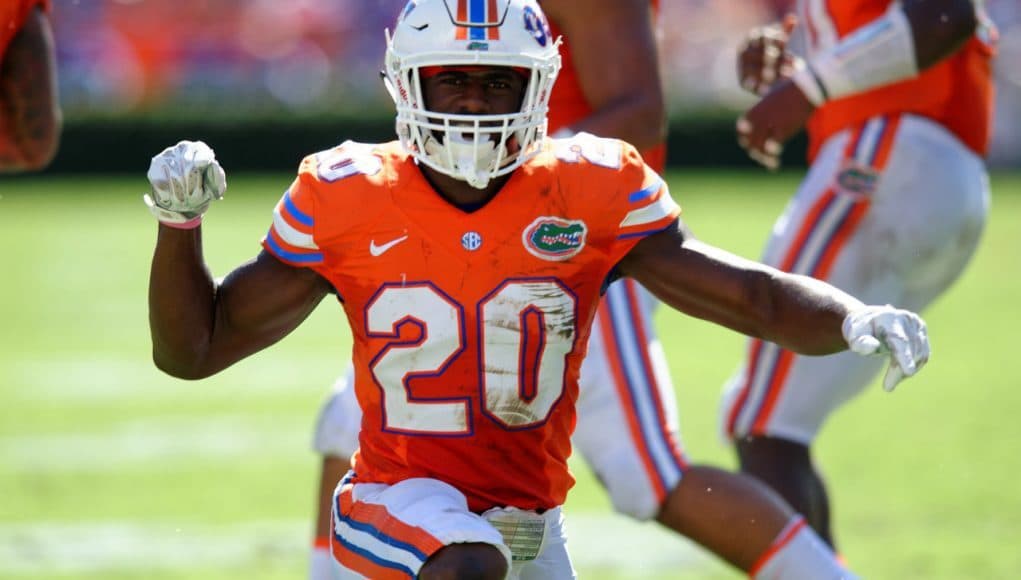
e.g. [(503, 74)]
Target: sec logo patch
[(471, 241)]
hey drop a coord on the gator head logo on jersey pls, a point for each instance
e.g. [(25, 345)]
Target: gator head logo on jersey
[(858, 179), (553, 238)]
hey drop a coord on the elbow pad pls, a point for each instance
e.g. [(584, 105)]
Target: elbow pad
[(877, 54)]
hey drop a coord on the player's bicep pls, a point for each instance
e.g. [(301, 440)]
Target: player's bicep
[(700, 280), (262, 301), (620, 79), (608, 70)]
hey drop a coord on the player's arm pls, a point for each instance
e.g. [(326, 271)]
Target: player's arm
[(910, 37), (614, 51), (200, 326), (29, 110), (797, 312)]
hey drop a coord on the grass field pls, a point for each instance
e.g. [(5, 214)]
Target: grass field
[(111, 470)]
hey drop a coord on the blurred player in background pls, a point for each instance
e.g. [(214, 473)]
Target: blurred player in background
[(897, 98), (627, 419), (29, 109)]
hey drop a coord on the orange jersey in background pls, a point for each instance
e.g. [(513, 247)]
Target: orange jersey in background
[(469, 328), (957, 92), (13, 14), (568, 104)]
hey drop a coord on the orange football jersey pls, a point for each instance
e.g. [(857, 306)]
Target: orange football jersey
[(469, 328), (567, 102), (12, 17), (957, 92)]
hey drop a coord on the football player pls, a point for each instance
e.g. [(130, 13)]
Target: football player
[(29, 111), (897, 99), (639, 459), (469, 257), (627, 427)]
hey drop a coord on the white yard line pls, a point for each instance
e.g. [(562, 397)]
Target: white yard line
[(94, 380), (136, 547), (598, 542), (133, 443), (604, 541)]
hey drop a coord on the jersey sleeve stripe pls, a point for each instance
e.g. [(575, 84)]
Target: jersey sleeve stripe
[(274, 245), (646, 192), (661, 208), (648, 232), (291, 220), (293, 211), (284, 245), (292, 235)]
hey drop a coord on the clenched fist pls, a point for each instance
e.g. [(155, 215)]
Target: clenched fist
[(185, 179)]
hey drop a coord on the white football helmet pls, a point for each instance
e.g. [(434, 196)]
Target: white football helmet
[(507, 33)]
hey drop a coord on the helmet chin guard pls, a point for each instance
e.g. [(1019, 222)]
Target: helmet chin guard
[(502, 33)]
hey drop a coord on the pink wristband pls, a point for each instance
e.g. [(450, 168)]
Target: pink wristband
[(188, 225)]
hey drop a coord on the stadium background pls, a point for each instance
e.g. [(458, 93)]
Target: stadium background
[(298, 76), (109, 469)]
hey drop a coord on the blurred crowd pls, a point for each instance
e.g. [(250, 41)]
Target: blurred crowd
[(231, 58)]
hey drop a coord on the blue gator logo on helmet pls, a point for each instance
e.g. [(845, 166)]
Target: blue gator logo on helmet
[(553, 238), (537, 26)]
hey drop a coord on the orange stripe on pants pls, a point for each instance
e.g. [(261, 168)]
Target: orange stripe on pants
[(822, 270), (627, 404)]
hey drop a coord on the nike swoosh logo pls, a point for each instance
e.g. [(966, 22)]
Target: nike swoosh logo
[(420, 28), (381, 249)]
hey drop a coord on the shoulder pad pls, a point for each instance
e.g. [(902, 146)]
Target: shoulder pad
[(349, 159), (587, 149)]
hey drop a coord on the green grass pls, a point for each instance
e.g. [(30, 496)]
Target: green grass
[(102, 456)]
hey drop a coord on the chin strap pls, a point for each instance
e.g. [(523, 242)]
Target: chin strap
[(463, 159)]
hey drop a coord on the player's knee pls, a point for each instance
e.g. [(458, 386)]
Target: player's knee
[(466, 562), (634, 497), (642, 506), (634, 491)]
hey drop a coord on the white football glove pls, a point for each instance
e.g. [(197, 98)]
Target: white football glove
[(185, 179), (889, 330)]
